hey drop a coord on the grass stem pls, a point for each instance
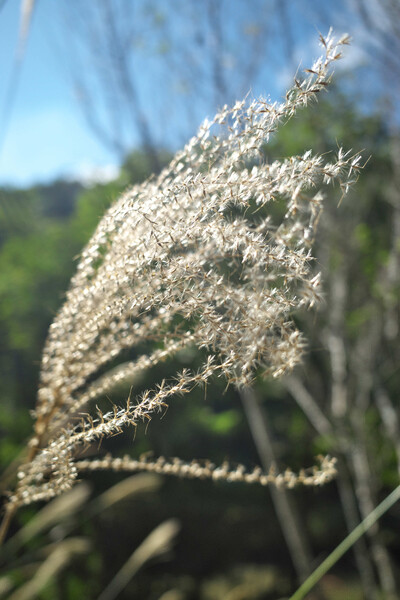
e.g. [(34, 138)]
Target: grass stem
[(346, 544)]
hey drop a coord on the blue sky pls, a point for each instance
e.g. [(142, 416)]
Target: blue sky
[(47, 135)]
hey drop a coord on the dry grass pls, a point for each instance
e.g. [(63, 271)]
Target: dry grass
[(214, 253)]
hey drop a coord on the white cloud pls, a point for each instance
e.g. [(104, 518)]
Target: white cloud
[(89, 174), (48, 144)]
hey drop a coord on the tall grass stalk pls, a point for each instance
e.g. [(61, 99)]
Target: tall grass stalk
[(346, 544)]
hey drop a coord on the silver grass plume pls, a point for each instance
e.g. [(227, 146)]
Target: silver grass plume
[(193, 257)]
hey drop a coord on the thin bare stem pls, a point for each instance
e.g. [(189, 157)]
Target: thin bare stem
[(6, 522), (346, 544)]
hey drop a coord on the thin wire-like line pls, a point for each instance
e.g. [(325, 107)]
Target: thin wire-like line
[(12, 90)]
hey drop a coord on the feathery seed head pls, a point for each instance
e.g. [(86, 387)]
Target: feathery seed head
[(199, 246)]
